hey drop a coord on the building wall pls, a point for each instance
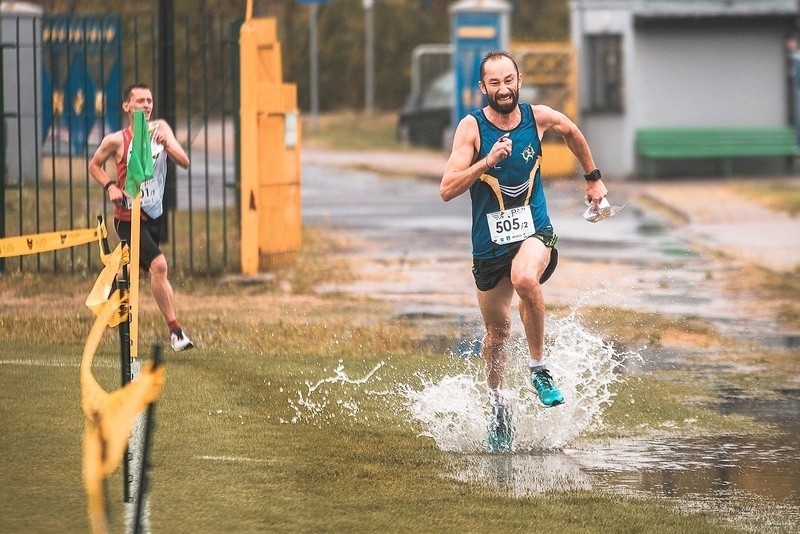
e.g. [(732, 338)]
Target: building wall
[(682, 71), (709, 74), (609, 134)]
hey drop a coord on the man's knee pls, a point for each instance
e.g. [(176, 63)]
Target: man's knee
[(497, 334), (526, 284), (158, 267)]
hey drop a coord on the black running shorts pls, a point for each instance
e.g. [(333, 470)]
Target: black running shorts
[(149, 239), (488, 273)]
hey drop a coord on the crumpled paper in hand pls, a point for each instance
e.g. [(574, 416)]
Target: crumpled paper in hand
[(604, 211)]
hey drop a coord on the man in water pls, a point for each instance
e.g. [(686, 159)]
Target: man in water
[(117, 145), (496, 156)]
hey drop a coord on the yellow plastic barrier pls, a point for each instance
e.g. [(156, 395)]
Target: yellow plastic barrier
[(46, 242), (270, 150)]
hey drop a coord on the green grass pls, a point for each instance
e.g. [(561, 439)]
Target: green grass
[(225, 459), (776, 195), (354, 131), (674, 402)]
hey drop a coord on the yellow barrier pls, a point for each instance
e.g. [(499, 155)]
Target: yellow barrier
[(46, 242), (270, 150)]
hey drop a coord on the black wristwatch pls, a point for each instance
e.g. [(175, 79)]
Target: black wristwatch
[(593, 176)]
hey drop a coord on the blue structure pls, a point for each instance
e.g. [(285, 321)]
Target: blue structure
[(82, 54), (477, 27)]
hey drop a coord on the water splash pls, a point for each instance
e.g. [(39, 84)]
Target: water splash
[(316, 404), (454, 410)]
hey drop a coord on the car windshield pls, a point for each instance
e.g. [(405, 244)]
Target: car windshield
[(440, 92)]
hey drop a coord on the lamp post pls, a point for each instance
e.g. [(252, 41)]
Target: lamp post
[(369, 55)]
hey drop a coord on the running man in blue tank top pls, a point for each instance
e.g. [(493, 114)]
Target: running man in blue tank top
[(496, 156)]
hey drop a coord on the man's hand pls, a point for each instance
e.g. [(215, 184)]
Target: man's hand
[(595, 192), (500, 151), (116, 195), (160, 138)]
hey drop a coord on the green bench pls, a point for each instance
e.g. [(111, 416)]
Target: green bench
[(653, 144)]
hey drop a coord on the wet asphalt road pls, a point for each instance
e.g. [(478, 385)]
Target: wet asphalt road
[(414, 249)]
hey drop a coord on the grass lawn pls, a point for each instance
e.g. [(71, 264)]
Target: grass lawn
[(775, 194)]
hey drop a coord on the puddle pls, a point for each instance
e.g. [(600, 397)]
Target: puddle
[(759, 480), (754, 481)]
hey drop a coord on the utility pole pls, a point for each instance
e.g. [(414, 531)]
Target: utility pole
[(314, 60), (369, 56)]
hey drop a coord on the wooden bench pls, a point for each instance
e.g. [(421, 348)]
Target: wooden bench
[(653, 144)]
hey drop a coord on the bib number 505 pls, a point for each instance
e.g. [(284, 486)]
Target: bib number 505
[(511, 225)]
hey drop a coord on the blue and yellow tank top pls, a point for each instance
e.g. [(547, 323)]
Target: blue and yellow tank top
[(514, 182)]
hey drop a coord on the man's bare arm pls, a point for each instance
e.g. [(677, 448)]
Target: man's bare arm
[(166, 137), (461, 170), (548, 119), (107, 150)]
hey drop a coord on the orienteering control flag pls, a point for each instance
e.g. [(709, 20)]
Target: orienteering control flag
[(140, 164)]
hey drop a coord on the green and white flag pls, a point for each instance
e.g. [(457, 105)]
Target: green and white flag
[(140, 164)]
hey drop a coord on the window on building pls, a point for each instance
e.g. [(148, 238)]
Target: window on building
[(605, 73)]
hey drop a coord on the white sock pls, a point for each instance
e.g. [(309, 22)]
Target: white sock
[(536, 364)]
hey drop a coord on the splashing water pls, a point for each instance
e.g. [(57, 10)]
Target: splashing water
[(315, 403), (454, 410)]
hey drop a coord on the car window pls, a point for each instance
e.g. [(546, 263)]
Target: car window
[(528, 94), (440, 92)]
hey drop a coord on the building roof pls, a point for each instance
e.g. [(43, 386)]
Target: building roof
[(714, 8)]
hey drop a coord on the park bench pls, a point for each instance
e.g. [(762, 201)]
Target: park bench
[(653, 144)]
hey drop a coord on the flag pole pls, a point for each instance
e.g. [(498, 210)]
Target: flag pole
[(140, 169), (133, 310)]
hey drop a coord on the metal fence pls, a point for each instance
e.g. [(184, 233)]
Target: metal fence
[(62, 79)]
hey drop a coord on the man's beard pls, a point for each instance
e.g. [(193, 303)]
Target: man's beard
[(504, 108)]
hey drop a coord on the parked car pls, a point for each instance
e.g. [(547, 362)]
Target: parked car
[(426, 117)]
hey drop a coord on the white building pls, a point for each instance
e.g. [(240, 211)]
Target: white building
[(679, 63)]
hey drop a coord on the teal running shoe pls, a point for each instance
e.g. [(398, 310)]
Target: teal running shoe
[(501, 433), (544, 385)]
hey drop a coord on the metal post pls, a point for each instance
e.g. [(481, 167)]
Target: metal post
[(312, 51), (369, 56), (2, 156), (144, 468), (125, 365), (166, 96)]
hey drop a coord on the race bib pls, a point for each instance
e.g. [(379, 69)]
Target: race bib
[(150, 196), (510, 226)]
